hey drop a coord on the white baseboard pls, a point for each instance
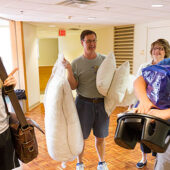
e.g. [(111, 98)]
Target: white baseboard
[(34, 105)]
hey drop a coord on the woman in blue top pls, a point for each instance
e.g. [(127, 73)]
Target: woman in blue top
[(145, 106), (160, 50)]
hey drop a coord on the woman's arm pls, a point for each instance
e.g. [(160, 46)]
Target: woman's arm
[(140, 91), (163, 114)]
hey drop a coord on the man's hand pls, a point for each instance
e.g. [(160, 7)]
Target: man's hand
[(71, 79), (10, 79), (66, 64)]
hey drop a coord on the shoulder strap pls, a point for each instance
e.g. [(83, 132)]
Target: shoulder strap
[(3, 96), (12, 96)]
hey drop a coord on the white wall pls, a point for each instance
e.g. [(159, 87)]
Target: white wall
[(105, 40), (70, 45), (31, 58), (158, 30), (140, 48), (48, 51), (5, 45), (145, 34)]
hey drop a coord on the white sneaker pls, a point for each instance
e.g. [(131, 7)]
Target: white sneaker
[(102, 166), (79, 166)]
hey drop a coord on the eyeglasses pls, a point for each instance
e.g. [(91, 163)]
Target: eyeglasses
[(158, 48), (90, 41)]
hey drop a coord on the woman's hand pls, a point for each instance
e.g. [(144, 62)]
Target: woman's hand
[(10, 79), (140, 91), (145, 106)]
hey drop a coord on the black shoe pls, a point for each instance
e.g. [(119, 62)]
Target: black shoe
[(141, 164)]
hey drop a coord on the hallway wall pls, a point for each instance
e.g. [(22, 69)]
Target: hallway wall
[(71, 47), (31, 59)]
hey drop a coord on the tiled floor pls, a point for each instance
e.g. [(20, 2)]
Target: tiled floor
[(117, 158)]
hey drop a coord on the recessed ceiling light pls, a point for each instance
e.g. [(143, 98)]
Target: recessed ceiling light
[(91, 18), (157, 5), (69, 17), (107, 8), (81, 5), (21, 12)]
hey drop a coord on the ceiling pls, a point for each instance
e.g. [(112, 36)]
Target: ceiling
[(99, 12)]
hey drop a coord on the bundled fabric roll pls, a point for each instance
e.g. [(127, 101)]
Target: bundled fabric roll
[(63, 131), (157, 78)]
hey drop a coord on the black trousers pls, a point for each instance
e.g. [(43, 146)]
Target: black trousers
[(145, 149), (8, 158)]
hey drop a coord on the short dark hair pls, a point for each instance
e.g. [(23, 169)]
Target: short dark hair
[(86, 32), (165, 44)]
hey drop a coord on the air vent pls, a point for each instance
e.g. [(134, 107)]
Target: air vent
[(74, 2), (123, 44)]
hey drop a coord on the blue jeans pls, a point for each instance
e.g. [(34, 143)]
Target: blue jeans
[(92, 116)]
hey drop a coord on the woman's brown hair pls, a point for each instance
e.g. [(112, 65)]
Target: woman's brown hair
[(164, 43)]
